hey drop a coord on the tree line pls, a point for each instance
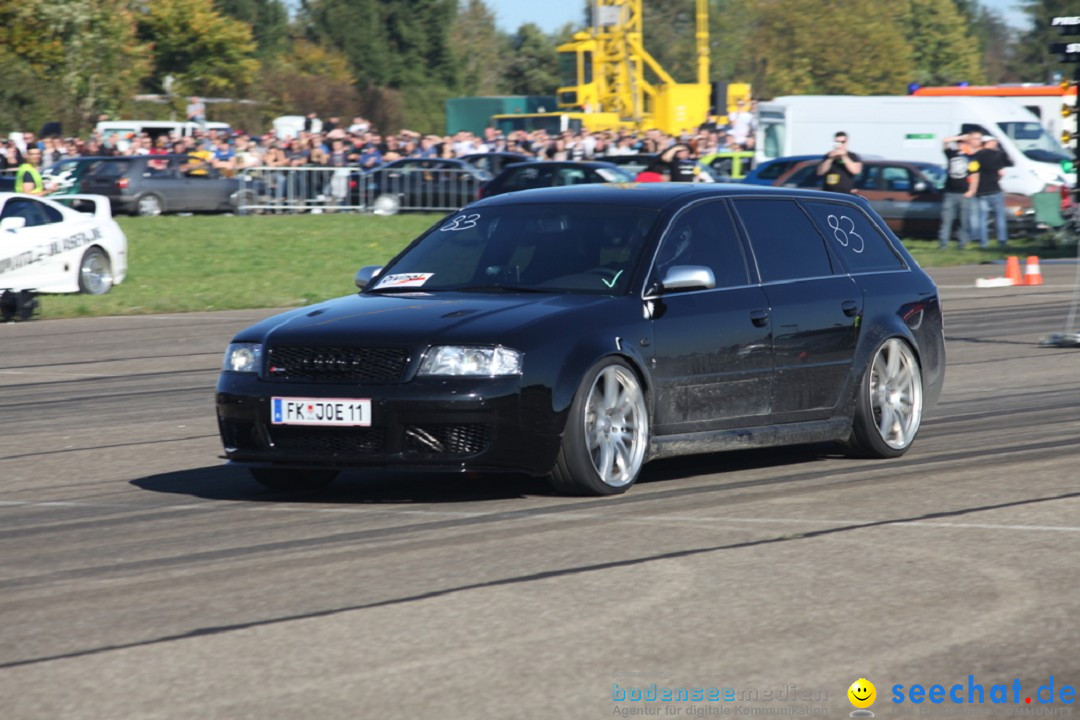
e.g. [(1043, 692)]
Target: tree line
[(397, 61)]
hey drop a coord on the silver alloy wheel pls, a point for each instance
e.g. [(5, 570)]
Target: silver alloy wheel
[(896, 399), (95, 273), (616, 426), (149, 206)]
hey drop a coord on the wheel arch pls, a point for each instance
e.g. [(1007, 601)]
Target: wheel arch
[(584, 358), (876, 331), (164, 206), (108, 258)]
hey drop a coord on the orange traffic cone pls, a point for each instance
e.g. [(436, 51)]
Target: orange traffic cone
[(1012, 270), (1032, 273)]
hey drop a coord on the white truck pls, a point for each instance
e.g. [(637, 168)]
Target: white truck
[(904, 127)]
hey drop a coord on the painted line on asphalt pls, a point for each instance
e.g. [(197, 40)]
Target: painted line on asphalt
[(697, 520)]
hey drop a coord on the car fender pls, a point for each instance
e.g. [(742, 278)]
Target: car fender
[(878, 328), (585, 356)]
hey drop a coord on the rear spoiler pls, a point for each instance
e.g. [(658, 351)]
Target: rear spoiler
[(96, 205)]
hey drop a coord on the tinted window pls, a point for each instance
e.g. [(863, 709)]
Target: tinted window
[(52, 215), (895, 178), (30, 210), (786, 244), (571, 176), (869, 178), (551, 248), (529, 177), (111, 169), (855, 239), (805, 177), (704, 235), (773, 170)]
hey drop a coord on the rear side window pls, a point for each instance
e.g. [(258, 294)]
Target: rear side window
[(111, 169), (860, 244), (786, 244), (529, 177)]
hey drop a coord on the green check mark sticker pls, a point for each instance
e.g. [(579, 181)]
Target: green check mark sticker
[(613, 280)]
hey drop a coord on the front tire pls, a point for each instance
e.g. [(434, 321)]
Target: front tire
[(293, 479), (95, 272), (607, 433), (889, 406)]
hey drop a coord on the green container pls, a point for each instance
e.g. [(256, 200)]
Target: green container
[(474, 113)]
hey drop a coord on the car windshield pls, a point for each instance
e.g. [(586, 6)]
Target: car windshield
[(1034, 141), (563, 248)]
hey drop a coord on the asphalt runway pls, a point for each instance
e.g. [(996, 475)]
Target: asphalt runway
[(143, 578)]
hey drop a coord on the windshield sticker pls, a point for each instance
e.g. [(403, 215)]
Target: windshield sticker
[(461, 222), (843, 229), (613, 280), (404, 280)]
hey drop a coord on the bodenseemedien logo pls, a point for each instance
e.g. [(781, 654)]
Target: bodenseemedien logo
[(862, 695)]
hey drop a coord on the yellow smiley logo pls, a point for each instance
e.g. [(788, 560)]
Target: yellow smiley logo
[(862, 693)]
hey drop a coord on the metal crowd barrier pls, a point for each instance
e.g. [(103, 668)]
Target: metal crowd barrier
[(382, 191)]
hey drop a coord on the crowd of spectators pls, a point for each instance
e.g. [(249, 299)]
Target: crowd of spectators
[(359, 144)]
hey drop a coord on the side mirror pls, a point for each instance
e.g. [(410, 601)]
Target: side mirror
[(11, 224), (365, 274), (920, 186), (688, 277)]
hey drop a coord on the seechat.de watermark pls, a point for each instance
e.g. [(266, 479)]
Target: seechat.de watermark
[(975, 693)]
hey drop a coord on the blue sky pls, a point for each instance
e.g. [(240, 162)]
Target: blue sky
[(551, 15)]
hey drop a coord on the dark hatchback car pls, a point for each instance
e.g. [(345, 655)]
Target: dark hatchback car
[(156, 184), (577, 333), (554, 173), (418, 184)]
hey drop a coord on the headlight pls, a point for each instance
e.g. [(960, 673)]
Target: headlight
[(243, 357), (471, 361)]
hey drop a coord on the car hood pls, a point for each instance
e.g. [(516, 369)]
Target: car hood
[(420, 319)]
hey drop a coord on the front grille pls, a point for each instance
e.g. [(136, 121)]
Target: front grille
[(438, 439), (330, 441), (288, 363)]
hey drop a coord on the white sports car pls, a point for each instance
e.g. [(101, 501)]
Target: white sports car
[(64, 245)]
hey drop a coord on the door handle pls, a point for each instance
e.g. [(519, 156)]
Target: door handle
[(850, 307), (760, 318)]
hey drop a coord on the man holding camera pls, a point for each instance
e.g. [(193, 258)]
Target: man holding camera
[(840, 166)]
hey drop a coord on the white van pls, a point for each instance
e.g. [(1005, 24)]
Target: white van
[(904, 127), (119, 132)]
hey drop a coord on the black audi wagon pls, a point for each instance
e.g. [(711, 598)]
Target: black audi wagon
[(577, 333)]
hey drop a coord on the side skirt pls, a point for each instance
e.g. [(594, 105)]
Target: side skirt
[(746, 438)]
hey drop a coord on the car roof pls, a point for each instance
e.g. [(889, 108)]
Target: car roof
[(558, 164), (657, 195), (493, 154)]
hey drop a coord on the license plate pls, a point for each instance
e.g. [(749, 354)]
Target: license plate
[(320, 411)]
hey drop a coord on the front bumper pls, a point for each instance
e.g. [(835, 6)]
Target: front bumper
[(444, 423)]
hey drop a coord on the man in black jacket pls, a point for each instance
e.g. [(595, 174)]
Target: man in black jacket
[(992, 163), (961, 183)]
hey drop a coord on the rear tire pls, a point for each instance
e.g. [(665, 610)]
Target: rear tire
[(241, 202), (293, 479), (95, 272), (149, 205), (889, 405), (607, 433)]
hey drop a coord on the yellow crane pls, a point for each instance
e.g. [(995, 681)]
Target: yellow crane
[(604, 83)]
